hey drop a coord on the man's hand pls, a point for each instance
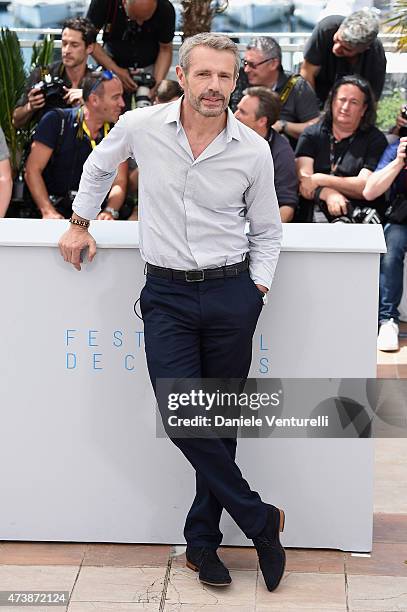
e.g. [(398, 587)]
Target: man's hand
[(36, 99), (336, 203), (73, 97), (124, 76), (75, 240), (262, 288), (402, 152), (105, 216), (308, 184), (51, 214)]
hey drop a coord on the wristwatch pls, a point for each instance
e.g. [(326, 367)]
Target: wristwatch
[(112, 211), (283, 126)]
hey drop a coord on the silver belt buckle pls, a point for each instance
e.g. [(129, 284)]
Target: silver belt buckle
[(194, 280)]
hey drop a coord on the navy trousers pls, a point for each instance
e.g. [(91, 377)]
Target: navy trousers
[(205, 329)]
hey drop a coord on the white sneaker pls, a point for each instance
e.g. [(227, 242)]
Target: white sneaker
[(388, 339)]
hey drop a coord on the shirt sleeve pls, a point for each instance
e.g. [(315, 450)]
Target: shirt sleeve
[(389, 154), (307, 144), (48, 129), (265, 231), (376, 70), (377, 145), (167, 24), (4, 153), (100, 169), (306, 102), (285, 175), (98, 13), (320, 41)]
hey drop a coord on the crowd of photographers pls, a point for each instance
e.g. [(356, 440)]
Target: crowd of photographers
[(332, 164)]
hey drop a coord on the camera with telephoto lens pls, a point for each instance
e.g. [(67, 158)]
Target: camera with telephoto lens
[(145, 82), (357, 214), (51, 86)]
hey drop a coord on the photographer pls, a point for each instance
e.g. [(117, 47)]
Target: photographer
[(391, 174), (59, 85), (137, 34), (54, 166), (336, 156)]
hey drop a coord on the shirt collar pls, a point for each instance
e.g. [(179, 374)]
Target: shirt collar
[(232, 124)]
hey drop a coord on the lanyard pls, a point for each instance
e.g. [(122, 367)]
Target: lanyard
[(334, 164), (85, 128)]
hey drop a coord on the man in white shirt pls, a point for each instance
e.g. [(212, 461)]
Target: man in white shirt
[(203, 176)]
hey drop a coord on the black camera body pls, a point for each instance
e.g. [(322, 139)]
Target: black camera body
[(357, 214), (51, 86), (403, 130)]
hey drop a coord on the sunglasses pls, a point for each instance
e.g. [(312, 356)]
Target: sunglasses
[(104, 75), (255, 65)]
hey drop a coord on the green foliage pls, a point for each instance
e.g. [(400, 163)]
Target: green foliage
[(12, 80), (42, 54), (12, 83), (398, 23), (388, 109)]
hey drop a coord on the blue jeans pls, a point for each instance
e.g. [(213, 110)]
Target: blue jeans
[(391, 271)]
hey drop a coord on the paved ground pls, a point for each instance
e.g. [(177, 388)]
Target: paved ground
[(131, 578)]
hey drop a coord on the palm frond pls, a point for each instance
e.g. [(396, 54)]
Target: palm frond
[(12, 81), (42, 53), (398, 23)]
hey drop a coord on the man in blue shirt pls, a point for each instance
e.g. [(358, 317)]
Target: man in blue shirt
[(71, 134), (391, 174)]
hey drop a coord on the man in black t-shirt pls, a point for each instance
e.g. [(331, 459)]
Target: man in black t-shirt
[(136, 34), (336, 157), (344, 45), (262, 67)]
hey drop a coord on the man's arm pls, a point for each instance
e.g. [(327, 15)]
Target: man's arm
[(37, 160), (117, 194), (381, 180), (309, 72), (163, 62), (23, 114), (102, 58), (350, 186), (6, 185), (98, 174), (286, 213), (294, 129), (265, 231)]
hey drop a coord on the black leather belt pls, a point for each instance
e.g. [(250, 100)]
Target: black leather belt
[(194, 276)]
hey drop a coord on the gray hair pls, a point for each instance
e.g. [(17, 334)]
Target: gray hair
[(360, 28), (267, 45), (220, 42)]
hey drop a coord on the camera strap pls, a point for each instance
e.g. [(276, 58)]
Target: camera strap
[(335, 163)]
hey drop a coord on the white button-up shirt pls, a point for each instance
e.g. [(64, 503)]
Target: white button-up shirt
[(193, 212)]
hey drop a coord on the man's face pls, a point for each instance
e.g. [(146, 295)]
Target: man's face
[(141, 11), (348, 107), (246, 113), (210, 80), (260, 74), (74, 50), (110, 103), (344, 49)]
